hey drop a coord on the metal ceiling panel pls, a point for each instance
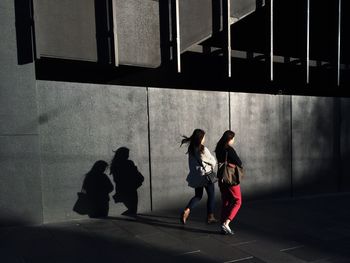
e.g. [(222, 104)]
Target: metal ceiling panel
[(137, 37), (65, 29), (195, 22), (242, 8)]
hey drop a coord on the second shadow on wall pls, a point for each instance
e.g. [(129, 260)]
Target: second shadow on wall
[(97, 186), (127, 179)]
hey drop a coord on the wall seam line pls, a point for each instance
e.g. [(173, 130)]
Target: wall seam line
[(291, 146), (229, 110), (149, 148), (40, 154)]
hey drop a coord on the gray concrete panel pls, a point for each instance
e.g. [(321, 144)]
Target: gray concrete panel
[(8, 33), (20, 185), (174, 113), (345, 144), (17, 85), (18, 101), (262, 127), (138, 32), (313, 145), (65, 29), (83, 123), (195, 21)]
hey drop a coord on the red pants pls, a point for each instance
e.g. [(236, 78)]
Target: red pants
[(231, 199)]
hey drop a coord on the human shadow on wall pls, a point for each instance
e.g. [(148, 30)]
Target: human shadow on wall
[(127, 179), (97, 187)]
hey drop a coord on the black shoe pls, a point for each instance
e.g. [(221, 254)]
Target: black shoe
[(211, 219)]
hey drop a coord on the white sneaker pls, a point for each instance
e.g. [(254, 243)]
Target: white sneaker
[(226, 230)]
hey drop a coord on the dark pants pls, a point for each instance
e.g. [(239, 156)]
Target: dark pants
[(210, 189)]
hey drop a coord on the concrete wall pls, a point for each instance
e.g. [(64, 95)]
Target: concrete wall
[(262, 126), (345, 145), (51, 133), (174, 113), (20, 186), (80, 124), (288, 144), (314, 138)]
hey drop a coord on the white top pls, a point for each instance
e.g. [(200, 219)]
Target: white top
[(199, 165)]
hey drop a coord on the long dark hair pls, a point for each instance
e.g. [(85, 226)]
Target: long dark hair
[(223, 142), (98, 168), (194, 142), (121, 156)]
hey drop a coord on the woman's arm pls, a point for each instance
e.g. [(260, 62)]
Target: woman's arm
[(208, 158), (232, 157)]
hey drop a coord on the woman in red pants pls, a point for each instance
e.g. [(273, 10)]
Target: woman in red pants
[(230, 195)]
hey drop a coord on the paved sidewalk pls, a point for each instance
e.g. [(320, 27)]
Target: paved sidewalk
[(301, 230)]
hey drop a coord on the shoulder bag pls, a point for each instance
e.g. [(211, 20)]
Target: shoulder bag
[(230, 174), (210, 176)]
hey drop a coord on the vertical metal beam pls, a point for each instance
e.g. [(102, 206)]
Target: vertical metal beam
[(115, 33), (172, 29), (111, 49), (226, 13), (36, 37), (33, 29), (229, 50), (271, 40), (178, 44), (229, 110), (291, 145), (149, 150), (339, 43), (25, 37), (308, 42), (166, 31)]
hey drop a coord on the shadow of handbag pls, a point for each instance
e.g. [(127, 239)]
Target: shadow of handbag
[(82, 206)]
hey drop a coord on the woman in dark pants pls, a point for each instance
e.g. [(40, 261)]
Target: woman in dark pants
[(200, 162), (230, 195)]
